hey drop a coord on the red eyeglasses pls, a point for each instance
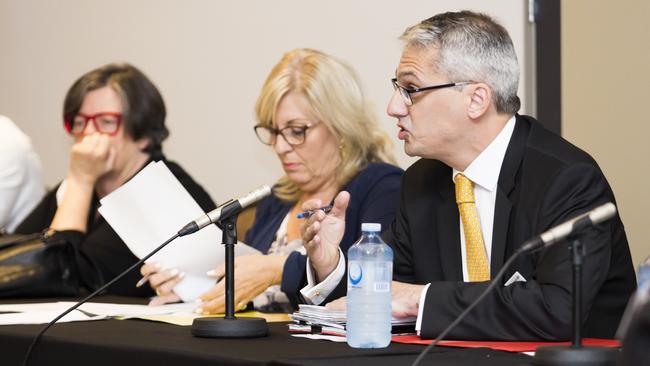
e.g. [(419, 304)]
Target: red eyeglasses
[(104, 122)]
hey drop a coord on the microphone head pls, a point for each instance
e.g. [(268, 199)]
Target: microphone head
[(255, 196), (602, 213)]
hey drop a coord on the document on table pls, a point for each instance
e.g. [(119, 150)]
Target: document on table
[(320, 315), (178, 314), (149, 209), (323, 337), (319, 322), (40, 313), (43, 317)]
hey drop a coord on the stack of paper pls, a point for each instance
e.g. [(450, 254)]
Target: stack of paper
[(320, 320), (149, 209)]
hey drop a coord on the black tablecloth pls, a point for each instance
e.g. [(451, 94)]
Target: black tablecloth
[(142, 343)]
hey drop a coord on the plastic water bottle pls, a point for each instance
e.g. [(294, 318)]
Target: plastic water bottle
[(644, 276), (370, 271)]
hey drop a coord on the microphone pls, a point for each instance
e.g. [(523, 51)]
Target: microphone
[(225, 210), (578, 223)]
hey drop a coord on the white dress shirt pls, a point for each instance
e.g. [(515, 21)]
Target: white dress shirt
[(21, 181), (484, 171)]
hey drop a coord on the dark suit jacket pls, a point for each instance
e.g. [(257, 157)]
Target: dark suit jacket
[(544, 180), (374, 194)]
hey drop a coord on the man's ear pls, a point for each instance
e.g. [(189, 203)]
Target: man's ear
[(480, 100)]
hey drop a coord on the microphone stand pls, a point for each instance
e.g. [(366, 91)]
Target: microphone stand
[(229, 326), (576, 353)]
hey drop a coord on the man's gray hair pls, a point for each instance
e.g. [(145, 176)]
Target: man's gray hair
[(472, 47)]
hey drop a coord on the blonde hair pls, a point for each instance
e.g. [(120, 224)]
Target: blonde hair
[(335, 98)]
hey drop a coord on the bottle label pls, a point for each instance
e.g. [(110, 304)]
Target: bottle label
[(382, 286), (370, 276), (355, 274)]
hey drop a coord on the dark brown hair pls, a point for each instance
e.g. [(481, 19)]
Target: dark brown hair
[(143, 107)]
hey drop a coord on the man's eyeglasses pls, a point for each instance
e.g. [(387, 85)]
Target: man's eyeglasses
[(406, 92), (106, 122), (292, 134)]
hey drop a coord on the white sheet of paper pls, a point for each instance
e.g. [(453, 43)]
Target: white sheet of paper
[(130, 310), (41, 317), (100, 308), (152, 207), (34, 307), (39, 313), (321, 337)]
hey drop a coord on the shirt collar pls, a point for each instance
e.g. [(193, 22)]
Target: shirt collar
[(485, 168)]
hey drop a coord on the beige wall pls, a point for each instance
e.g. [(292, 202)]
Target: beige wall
[(209, 58), (605, 100)]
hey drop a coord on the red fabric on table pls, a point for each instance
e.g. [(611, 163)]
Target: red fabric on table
[(504, 346)]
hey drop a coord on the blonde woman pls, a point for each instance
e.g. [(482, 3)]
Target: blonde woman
[(312, 113)]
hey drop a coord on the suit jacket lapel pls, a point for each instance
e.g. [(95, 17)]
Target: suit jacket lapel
[(448, 228), (500, 230), (503, 204)]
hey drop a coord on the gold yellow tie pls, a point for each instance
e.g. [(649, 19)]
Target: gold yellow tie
[(478, 268)]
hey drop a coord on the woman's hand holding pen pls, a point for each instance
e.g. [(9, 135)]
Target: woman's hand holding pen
[(162, 281), (322, 233), (307, 214)]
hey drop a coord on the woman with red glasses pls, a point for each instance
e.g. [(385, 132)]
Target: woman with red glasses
[(116, 118)]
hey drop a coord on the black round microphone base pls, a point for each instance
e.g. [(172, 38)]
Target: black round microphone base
[(229, 328), (576, 356)]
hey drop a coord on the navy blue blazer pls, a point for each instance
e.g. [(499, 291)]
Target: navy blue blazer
[(374, 197)]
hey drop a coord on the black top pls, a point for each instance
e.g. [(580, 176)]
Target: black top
[(101, 254)]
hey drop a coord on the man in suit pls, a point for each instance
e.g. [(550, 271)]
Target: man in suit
[(489, 179)]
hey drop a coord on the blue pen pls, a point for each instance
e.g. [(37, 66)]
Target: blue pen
[(306, 214)]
